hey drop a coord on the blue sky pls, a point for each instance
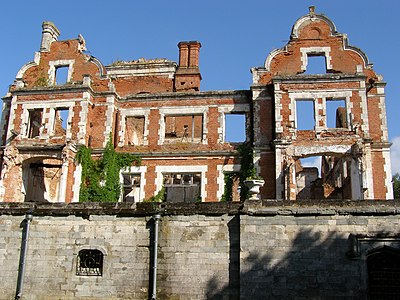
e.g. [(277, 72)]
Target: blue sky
[(235, 36)]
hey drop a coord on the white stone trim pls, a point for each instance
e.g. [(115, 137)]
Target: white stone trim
[(76, 186), (182, 111), (167, 71), (83, 116), (134, 112), (109, 119), (54, 64), (278, 108), (28, 65), (302, 151), (134, 170), (221, 180), (24, 127), (383, 117), (320, 94), (231, 109), (182, 169), (388, 173), (364, 111), (52, 113), (305, 51)]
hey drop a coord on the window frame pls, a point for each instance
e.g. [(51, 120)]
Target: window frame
[(94, 254)]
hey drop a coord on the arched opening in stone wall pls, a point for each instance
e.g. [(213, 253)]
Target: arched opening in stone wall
[(383, 266)]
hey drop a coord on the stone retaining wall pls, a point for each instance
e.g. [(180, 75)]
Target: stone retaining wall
[(251, 250)]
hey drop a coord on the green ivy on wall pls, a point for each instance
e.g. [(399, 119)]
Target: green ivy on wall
[(100, 178), (247, 171)]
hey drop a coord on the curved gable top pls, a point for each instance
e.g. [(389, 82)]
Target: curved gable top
[(296, 34)]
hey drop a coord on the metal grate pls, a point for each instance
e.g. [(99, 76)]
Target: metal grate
[(384, 275), (89, 263)]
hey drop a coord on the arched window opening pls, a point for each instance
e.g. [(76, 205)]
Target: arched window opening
[(384, 274), (89, 263)]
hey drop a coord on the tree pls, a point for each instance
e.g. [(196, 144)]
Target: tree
[(396, 185)]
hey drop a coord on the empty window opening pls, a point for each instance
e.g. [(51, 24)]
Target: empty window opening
[(61, 121), (182, 187), (131, 187), (316, 64), (61, 75), (134, 130), (384, 274), (35, 122), (336, 114), (185, 129), (305, 117), (235, 128), (323, 177), (89, 263), (307, 174), (41, 180)]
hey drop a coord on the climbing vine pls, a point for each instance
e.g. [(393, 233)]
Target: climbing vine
[(160, 197), (100, 178), (247, 171)]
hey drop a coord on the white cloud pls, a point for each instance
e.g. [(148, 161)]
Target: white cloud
[(395, 155)]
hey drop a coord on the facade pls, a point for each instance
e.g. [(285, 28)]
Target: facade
[(66, 98)]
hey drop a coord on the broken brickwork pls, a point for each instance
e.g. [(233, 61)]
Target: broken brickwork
[(155, 109)]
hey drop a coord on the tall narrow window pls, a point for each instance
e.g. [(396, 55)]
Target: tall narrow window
[(305, 118), (134, 130), (89, 263), (131, 187), (35, 122), (336, 115), (235, 128), (316, 64), (60, 121), (61, 75)]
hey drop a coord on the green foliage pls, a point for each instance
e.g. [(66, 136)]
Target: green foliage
[(160, 197), (229, 178), (396, 185), (247, 168), (100, 178), (41, 81)]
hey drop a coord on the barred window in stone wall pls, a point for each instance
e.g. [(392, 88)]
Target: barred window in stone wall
[(89, 263), (384, 273)]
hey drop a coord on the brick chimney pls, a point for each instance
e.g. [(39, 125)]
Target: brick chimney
[(50, 34), (187, 76)]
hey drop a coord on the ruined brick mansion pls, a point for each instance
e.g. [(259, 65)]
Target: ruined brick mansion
[(155, 108)]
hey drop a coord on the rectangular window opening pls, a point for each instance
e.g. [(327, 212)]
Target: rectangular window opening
[(235, 128), (35, 122), (308, 171), (316, 64), (131, 187), (61, 121), (182, 187), (183, 128), (61, 75), (336, 114), (134, 130), (305, 118)]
